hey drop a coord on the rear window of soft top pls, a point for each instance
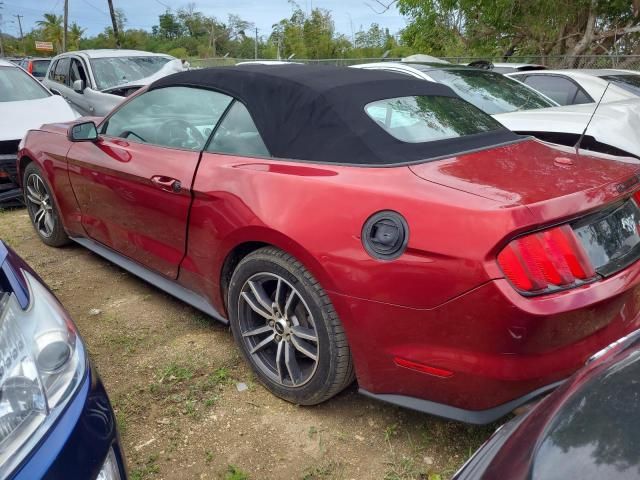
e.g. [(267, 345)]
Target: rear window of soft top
[(420, 119)]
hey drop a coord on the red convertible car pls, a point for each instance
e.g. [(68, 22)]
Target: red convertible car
[(354, 224)]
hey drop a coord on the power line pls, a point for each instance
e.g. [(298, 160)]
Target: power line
[(96, 8)]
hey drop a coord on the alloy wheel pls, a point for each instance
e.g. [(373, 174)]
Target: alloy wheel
[(39, 205), (278, 329)]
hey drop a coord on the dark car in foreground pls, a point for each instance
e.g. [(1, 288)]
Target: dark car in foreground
[(587, 428), (55, 417), (354, 223)]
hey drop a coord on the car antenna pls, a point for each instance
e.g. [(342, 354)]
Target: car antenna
[(579, 142)]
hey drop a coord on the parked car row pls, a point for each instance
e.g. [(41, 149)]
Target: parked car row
[(614, 130), (379, 223)]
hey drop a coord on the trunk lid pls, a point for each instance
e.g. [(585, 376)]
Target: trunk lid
[(551, 180)]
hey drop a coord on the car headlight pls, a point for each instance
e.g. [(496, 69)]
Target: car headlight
[(42, 363)]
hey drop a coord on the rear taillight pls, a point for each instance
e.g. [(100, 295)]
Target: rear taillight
[(545, 261), (30, 67)]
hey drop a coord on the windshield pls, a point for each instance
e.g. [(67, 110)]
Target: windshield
[(429, 118), (491, 92), (16, 86), (630, 83), (114, 71)]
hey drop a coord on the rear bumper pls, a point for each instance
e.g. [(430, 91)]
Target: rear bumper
[(10, 192), (497, 345)]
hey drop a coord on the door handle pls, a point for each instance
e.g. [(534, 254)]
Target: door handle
[(167, 184)]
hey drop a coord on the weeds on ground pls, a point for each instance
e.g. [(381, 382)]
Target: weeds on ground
[(234, 473), (188, 386), (332, 470), (149, 468)]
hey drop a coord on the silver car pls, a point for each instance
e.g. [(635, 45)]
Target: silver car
[(95, 81)]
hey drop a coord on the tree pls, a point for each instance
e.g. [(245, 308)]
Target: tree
[(52, 29), (505, 27), (75, 34)]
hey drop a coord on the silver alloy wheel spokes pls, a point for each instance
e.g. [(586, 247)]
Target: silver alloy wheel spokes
[(278, 329), (39, 204)]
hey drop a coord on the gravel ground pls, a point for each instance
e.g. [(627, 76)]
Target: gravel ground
[(173, 375)]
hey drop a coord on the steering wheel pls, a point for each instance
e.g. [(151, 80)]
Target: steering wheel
[(179, 133)]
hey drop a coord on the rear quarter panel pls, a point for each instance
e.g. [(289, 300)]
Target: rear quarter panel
[(316, 213)]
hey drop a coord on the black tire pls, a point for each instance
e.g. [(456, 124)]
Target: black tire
[(333, 369), (52, 233)]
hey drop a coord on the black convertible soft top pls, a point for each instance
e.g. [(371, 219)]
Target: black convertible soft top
[(316, 112)]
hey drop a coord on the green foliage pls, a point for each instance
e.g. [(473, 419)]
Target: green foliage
[(234, 473), (505, 27), (179, 52)]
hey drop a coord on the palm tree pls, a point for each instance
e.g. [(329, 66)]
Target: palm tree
[(75, 34), (52, 29)]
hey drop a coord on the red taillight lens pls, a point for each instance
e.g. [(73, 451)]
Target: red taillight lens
[(30, 67), (636, 197), (544, 260)]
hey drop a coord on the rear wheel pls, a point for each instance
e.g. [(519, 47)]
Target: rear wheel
[(43, 212), (287, 328)]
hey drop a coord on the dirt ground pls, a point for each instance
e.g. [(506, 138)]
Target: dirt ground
[(172, 375)]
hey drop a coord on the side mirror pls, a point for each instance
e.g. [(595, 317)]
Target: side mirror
[(83, 132), (78, 86)]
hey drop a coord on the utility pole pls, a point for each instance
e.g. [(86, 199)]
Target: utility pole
[(24, 49), (66, 23), (1, 45), (213, 37), (114, 23), (256, 45)]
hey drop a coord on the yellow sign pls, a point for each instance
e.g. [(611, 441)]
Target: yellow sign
[(44, 46)]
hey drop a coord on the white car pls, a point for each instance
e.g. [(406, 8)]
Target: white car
[(95, 81), (615, 128), (506, 67), (574, 87), (24, 105)]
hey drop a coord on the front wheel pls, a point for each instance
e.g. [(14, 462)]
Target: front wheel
[(287, 328), (43, 212)]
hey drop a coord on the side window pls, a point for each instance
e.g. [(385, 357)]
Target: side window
[(176, 117), (62, 71), (77, 72), (238, 135), (582, 97), (559, 89), (52, 71), (520, 78)]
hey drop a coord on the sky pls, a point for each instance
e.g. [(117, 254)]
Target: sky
[(94, 14)]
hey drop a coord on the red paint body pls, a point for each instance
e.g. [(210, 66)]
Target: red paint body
[(444, 303)]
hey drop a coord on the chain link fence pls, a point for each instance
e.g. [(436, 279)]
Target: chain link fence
[(628, 62)]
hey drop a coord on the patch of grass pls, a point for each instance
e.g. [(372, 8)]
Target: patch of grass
[(390, 431), (125, 342), (208, 456), (121, 421), (234, 473), (175, 373), (220, 376), (403, 468), (149, 468), (332, 470), (188, 385), (312, 431)]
